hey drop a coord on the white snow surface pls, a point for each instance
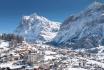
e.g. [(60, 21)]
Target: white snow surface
[(76, 69), (37, 29), (48, 57), (50, 53), (10, 65), (4, 44)]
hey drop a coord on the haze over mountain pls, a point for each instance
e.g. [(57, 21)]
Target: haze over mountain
[(83, 30)]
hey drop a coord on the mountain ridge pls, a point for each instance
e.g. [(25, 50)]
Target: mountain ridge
[(83, 30), (38, 29)]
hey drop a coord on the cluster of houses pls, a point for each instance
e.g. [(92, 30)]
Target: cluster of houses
[(26, 56)]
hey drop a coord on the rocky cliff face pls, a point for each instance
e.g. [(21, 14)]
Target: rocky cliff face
[(37, 29), (83, 30)]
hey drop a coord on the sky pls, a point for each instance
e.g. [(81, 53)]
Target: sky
[(11, 11)]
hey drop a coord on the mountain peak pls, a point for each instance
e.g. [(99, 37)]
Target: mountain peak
[(95, 5), (34, 14), (37, 29), (34, 18)]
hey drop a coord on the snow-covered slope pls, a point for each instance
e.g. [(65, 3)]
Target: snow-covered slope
[(83, 30), (37, 29)]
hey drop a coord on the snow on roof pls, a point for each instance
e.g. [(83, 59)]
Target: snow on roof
[(16, 66), (49, 52), (48, 57)]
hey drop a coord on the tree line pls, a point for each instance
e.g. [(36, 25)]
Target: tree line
[(11, 37)]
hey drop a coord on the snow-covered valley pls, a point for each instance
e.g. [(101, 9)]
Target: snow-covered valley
[(26, 56), (41, 44)]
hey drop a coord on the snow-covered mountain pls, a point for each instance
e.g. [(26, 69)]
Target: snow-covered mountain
[(37, 29), (83, 30)]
